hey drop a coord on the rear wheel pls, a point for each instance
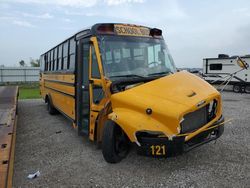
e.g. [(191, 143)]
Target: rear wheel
[(247, 89), (115, 143), (236, 88), (51, 109)]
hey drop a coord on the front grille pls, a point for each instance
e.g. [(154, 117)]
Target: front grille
[(194, 120)]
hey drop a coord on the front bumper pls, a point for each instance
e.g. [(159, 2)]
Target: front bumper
[(163, 147)]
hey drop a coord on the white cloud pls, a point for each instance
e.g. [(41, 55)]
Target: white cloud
[(45, 16), (118, 2), (6, 17), (67, 20), (16, 21), (242, 11), (23, 23), (162, 12), (82, 13), (72, 3), (42, 16), (77, 3)]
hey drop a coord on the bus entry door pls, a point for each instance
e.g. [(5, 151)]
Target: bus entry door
[(96, 86)]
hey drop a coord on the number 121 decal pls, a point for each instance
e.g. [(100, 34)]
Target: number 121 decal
[(158, 150)]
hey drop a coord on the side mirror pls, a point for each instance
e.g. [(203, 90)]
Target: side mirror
[(242, 63)]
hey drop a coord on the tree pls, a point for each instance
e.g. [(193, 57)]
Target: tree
[(22, 63), (35, 63)]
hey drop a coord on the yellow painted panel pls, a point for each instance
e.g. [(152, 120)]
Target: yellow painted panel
[(64, 103), (169, 98), (60, 87), (69, 78)]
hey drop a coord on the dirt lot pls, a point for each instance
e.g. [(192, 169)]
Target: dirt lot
[(67, 160)]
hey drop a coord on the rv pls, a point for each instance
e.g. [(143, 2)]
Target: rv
[(225, 69)]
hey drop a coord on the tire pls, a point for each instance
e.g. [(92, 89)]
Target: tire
[(247, 89), (51, 108), (115, 143), (236, 88)]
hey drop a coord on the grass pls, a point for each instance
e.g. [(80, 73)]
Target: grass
[(29, 91)]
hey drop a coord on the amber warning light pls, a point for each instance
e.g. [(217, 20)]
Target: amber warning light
[(107, 29)]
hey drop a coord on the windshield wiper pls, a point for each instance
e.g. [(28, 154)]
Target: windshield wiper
[(127, 76), (160, 73)]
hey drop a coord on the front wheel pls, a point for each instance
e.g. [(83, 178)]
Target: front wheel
[(115, 143)]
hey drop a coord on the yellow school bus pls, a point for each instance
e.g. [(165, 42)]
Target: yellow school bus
[(118, 85)]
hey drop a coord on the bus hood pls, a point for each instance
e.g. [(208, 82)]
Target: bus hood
[(169, 97), (181, 88)]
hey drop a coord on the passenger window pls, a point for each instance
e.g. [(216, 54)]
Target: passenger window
[(42, 63), (46, 62), (95, 73), (72, 49), (51, 60), (65, 56), (49, 68), (59, 57), (55, 59), (72, 61)]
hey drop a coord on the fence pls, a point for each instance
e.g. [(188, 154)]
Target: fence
[(19, 74)]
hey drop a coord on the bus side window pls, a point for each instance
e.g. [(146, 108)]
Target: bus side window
[(51, 60), (55, 59), (42, 63), (72, 49), (95, 73), (65, 55), (59, 57), (46, 62), (49, 63)]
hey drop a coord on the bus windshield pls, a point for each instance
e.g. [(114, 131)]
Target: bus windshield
[(135, 56)]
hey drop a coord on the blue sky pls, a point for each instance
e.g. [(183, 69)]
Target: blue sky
[(193, 29)]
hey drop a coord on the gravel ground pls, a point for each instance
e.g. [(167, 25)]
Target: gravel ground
[(50, 145)]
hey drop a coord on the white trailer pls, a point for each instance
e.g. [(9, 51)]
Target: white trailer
[(225, 68)]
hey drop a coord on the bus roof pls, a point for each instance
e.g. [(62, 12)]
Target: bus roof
[(115, 29)]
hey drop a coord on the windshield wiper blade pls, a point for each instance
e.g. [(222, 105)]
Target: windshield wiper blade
[(160, 73), (127, 76)]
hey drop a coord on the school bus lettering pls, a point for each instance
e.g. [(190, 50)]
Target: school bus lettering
[(131, 31)]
